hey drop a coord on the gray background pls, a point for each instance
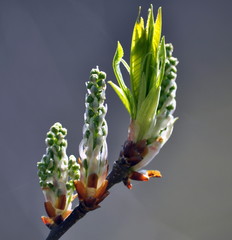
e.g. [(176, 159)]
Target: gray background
[(47, 49)]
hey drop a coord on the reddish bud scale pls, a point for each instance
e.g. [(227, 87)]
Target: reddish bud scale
[(61, 202), (52, 213), (134, 152), (47, 221), (50, 221), (92, 180), (100, 193)]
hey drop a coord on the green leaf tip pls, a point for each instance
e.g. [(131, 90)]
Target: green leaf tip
[(122, 90)]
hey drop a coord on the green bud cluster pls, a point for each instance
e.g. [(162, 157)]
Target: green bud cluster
[(73, 172), (167, 102), (55, 168), (93, 147), (168, 86), (95, 126)]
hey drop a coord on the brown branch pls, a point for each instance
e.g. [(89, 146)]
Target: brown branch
[(58, 230), (129, 156)]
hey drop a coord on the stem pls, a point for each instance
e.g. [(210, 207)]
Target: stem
[(57, 231)]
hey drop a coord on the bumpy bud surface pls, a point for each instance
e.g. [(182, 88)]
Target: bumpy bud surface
[(56, 173), (167, 102), (93, 148)]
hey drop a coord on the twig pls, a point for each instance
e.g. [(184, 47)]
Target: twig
[(58, 230), (120, 171)]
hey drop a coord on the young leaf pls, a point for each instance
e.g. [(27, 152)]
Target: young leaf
[(116, 66), (142, 91), (123, 91), (161, 58), (153, 32), (157, 30), (147, 111), (122, 96), (138, 52), (125, 64)]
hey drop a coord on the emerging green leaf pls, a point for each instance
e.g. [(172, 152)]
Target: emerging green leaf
[(151, 100), (124, 93), (137, 55), (122, 96), (146, 112), (116, 66)]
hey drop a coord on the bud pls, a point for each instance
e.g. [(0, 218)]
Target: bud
[(91, 187), (56, 173), (151, 99), (163, 121)]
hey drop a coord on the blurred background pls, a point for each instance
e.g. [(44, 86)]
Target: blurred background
[(47, 49)]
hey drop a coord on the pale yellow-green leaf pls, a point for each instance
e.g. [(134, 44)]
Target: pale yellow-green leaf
[(153, 31), (161, 57), (121, 95), (150, 24), (157, 30), (138, 51), (125, 64), (116, 66), (142, 91), (147, 111)]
